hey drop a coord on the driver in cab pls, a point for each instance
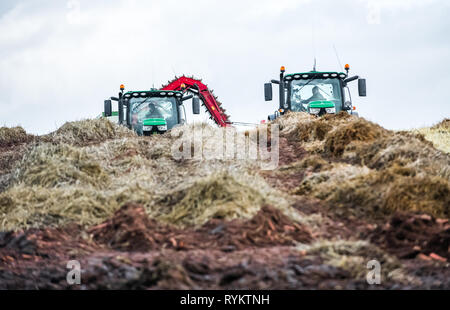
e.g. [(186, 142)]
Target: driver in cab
[(153, 111), (316, 95)]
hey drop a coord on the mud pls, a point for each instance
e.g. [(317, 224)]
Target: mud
[(409, 235), (131, 230)]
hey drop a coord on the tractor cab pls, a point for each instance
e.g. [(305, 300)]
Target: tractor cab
[(314, 92), (150, 112)]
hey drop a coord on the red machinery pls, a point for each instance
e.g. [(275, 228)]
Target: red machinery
[(195, 86)]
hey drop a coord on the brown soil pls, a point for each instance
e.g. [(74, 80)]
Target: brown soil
[(131, 230), (408, 235)]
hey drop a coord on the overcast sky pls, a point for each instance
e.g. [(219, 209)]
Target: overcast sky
[(60, 59)]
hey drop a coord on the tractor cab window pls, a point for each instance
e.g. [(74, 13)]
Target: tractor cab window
[(303, 92), (153, 108)]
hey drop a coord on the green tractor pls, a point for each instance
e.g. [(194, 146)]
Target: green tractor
[(150, 112), (314, 92)]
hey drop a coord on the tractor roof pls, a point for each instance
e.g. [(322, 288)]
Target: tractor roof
[(153, 93), (315, 74)]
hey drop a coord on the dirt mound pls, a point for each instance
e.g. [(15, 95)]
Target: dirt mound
[(42, 244), (407, 235), (130, 229), (268, 227)]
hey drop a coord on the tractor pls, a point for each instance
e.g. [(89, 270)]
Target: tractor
[(316, 93), (157, 111)]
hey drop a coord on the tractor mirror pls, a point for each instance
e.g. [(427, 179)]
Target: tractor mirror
[(187, 98), (108, 108), (362, 87), (196, 105), (268, 91)]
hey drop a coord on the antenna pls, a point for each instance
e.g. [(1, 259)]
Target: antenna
[(337, 56), (313, 35)]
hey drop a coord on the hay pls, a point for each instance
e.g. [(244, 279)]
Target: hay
[(312, 163), (329, 134), (291, 120), (356, 130), (401, 149), (439, 135), (57, 183), (86, 132), (422, 194), (365, 192), (224, 195), (86, 170), (311, 130), (384, 171), (25, 206), (13, 136), (444, 125), (49, 165)]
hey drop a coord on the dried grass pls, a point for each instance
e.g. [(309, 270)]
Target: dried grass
[(85, 181), (439, 135), (358, 130), (86, 132), (378, 193), (13, 136), (219, 196), (49, 165), (86, 170), (404, 150)]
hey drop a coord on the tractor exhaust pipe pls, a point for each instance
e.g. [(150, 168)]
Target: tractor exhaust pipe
[(283, 69)]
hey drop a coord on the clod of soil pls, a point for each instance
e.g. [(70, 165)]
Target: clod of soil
[(408, 235)]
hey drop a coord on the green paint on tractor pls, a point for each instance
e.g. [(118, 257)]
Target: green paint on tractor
[(321, 104), (154, 122), (113, 114)]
